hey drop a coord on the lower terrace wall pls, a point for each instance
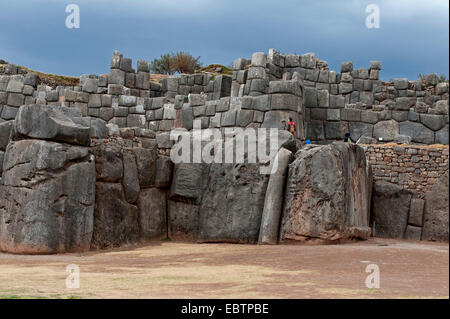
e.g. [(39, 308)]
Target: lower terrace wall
[(413, 167), (410, 197)]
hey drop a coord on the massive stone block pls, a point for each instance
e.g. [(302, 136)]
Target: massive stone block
[(47, 200), (386, 130), (5, 132), (271, 218), (221, 202), (51, 123), (291, 87), (435, 225), (418, 132), (432, 121), (390, 208), (327, 192), (187, 181), (115, 220), (164, 168), (130, 180), (286, 102), (108, 163), (183, 220), (232, 204), (152, 213), (358, 129), (441, 136), (146, 165)]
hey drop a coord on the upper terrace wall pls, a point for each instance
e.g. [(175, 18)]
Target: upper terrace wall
[(262, 92), (353, 101)]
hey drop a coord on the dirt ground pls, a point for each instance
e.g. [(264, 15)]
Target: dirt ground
[(408, 269)]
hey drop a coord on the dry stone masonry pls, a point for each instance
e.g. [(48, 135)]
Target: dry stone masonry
[(88, 167)]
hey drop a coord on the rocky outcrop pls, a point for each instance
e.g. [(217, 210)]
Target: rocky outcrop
[(390, 210), (47, 192), (435, 224), (326, 197)]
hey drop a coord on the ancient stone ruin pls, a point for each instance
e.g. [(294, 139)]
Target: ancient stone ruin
[(86, 167)]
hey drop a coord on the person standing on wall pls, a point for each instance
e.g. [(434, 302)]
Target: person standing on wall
[(290, 126)]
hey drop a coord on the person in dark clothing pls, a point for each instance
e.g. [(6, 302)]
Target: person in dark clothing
[(347, 138)]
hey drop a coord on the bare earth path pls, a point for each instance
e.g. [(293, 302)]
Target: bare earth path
[(408, 269)]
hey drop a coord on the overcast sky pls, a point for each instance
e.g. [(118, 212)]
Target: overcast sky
[(413, 36)]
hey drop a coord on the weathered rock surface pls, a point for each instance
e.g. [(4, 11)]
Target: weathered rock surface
[(5, 131), (220, 202), (232, 204), (273, 204), (130, 180), (108, 163), (327, 192), (187, 181), (2, 156), (51, 123), (152, 213), (146, 165), (435, 225), (47, 200), (390, 210), (115, 220), (164, 168), (126, 209), (385, 130), (183, 220)]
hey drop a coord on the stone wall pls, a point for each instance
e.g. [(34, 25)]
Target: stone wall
[(413, 167), (360, 104), (404, 185), (263, 91), (132, 178), (139, 195), (47, 189), (353, 101), (400, 213)]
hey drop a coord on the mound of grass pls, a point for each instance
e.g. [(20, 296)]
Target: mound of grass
[(53, 80), (212, 69)]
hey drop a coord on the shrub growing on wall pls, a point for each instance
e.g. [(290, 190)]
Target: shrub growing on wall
[(171, 63)]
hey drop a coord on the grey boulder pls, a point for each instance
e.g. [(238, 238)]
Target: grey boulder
[(47, 200), (51, 123), (390, 204), (435, 225), (115, 220), (327, 194)]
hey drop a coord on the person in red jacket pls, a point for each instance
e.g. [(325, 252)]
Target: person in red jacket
[(290, 126)]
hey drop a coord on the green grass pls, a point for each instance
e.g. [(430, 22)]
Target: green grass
[(10, 297), (212, 69), (53, 80)]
